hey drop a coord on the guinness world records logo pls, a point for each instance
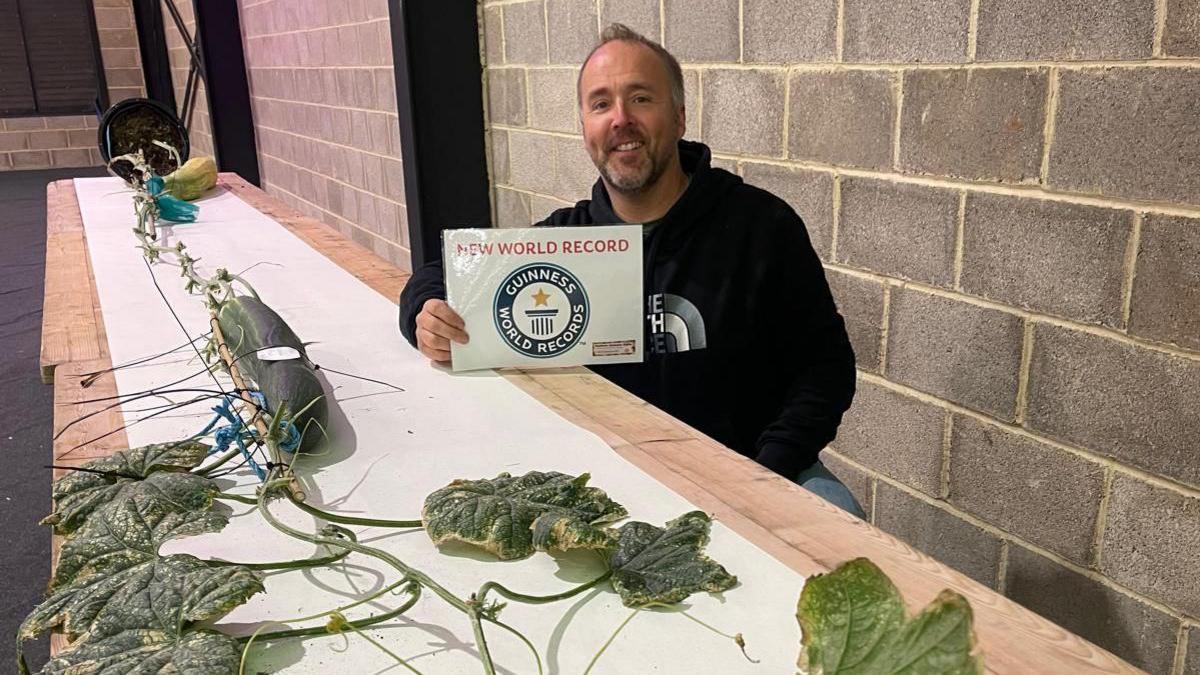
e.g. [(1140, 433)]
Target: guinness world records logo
[(541, 310)]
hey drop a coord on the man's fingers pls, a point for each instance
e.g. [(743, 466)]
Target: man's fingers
[(437, 318), (441, 310), (431, 340), (436, 355)]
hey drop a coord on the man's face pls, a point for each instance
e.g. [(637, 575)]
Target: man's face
[(630, 124)]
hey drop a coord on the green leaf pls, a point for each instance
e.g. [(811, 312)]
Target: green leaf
[(853, 622), (78, 493), (161, 593), (128, 531), (129, 610), (498, 514), (150, 652), (665, 565)]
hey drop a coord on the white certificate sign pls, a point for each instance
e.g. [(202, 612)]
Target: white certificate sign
[(545, 296)]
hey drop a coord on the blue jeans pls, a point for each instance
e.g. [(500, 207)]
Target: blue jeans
[(821, 482)]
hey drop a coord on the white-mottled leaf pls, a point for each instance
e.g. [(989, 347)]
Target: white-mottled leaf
[(497, 514)]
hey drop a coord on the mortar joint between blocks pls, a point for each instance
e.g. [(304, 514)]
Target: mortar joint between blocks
[(959, 238), (837, 216), (741, 31), (899, 89), (1002, 568), (1022, 402), (1181, 648), (1097, 552), (840, 31), (1160, 28), (1051, 113), (885, 322), (973, 30), (944, 478), (1129, 271)]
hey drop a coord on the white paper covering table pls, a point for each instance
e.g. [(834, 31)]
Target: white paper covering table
[(802, 534)]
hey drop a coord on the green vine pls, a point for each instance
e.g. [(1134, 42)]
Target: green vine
[(510, 516)]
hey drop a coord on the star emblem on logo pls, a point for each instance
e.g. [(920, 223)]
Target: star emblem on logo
[(540, 298)]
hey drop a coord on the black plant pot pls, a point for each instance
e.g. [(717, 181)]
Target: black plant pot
[(134, 124)]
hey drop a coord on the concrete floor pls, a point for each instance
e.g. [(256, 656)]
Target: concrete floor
[(25, 404)]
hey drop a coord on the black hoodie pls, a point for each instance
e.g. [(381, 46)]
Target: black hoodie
[(743, 340)]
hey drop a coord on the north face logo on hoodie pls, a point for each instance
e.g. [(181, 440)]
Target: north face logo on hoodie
[(675, 324)]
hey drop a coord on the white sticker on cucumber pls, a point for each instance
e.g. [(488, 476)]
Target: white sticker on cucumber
[(278, 354)]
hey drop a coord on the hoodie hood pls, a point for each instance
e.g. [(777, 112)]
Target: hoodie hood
[(707, 186)]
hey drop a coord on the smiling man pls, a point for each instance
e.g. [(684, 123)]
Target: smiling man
[(743, 339)]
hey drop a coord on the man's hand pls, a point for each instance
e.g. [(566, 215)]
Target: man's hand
[(437, 325)]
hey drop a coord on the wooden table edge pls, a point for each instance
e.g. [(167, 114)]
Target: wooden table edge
[(744, 496)]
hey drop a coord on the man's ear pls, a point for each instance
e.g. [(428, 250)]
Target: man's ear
[(681, 118)]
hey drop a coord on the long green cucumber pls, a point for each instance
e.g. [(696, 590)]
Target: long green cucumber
[(250, 326)]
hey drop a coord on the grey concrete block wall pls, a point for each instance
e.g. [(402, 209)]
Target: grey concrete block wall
[(1150, 543), (976, 124), (860, 302), (1166, 285), (898, 230), (1052, 257), (810, 194), (743, 111), (553, 99), (955, 542), (896, 435), (525, 32), (1116, 399), (506, 96), (705, 31), (963, 353), (842, 117), (640, 15), (1006, 197), (1065, 30), (916, 31), (571, 29), (787, 31), (1059, 492), (1191, 664), (1181, 32), (1128, 133), (1131, 629)]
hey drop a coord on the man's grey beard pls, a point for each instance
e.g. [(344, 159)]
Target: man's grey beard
[(633, 183)]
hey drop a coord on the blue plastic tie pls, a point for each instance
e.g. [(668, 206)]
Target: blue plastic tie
[(170, 207), (234, 432), (293, 441)]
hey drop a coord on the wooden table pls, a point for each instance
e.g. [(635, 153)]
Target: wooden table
[(802, 531)]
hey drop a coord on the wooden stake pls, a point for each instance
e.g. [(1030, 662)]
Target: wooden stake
[(259, 423)]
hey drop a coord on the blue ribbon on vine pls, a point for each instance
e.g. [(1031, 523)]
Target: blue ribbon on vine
[(234, 432), (170, 207)]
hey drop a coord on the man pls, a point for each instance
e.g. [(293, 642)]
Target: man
[(743, 339)]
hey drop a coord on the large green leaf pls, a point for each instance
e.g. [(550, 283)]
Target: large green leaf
[(79, 493), (853, 622), (150, 652), (128, 530), (654, 564), (498, 514), (160, 593), (128, 610)]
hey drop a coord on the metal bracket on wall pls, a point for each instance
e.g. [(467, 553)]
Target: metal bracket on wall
[(196, 72)]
